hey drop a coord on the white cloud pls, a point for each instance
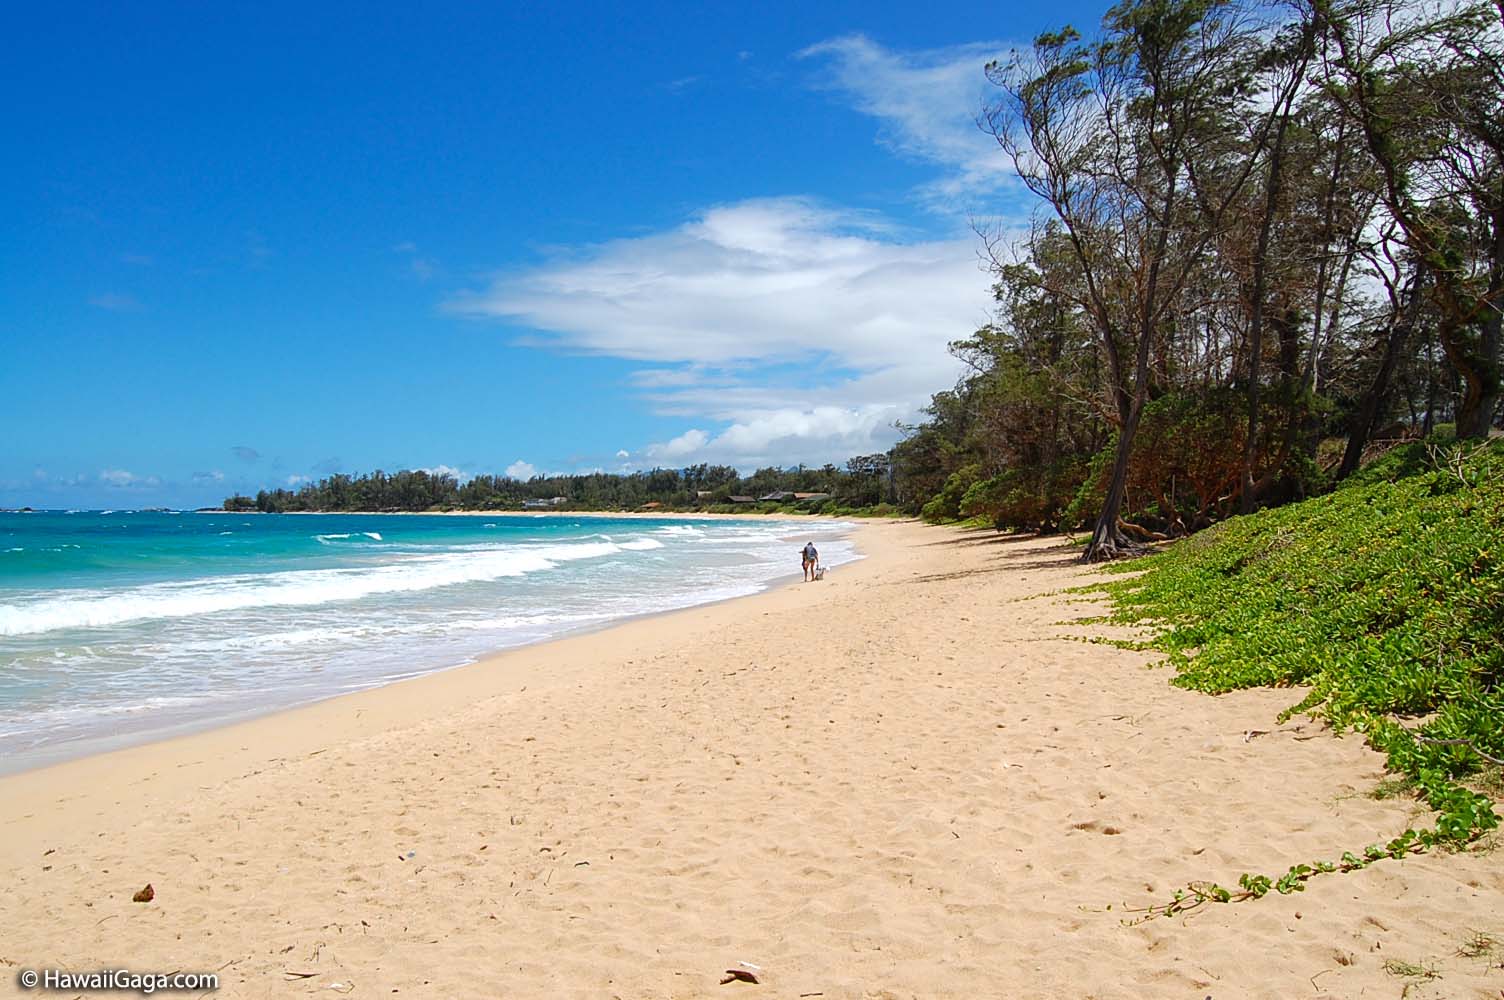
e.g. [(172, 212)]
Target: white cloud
[(786, 329), (446, 470), (928, 102), (688, 443), (766, 281), (652, 378), (790, 436), (298, 480), (521, 470), (623, 453), (214, 476), (123, 478), (772, 314)]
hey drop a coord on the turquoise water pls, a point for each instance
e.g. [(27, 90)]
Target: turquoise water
[(120, 626)]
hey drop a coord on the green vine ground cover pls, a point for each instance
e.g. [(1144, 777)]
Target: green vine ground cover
[(1386, 598)]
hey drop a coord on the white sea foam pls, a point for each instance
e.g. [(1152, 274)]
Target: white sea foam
[(302, 588), (127, 661), (348, 635), (374, 536), (226, 647)]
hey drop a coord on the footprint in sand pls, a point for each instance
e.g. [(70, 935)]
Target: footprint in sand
[(1093, 825)]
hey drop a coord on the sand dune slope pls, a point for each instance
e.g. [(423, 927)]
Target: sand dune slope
[(909, 780)]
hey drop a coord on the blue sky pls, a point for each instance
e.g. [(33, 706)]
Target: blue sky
[(244, 245)]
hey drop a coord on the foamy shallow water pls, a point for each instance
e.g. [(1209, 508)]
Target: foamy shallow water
[(119, 627)]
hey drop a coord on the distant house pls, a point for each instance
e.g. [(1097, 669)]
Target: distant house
[(777, 496), (811, 496), (704, 494), (742, 499), (544, 504), (651, 505)]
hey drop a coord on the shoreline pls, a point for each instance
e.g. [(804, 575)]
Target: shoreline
[(91, 746), (228, 744), (873, 786)]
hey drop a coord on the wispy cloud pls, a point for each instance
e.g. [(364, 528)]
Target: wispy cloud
[(246, 453), (789, 436), (785, 318), (788, 329), (122, 478), (928, 102), (423, 268), (764, 281), (116, 302)]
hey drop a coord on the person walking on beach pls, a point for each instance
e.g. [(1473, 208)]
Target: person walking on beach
[(811, 560)]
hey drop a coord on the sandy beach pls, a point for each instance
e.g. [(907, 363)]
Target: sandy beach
[(912, 779)]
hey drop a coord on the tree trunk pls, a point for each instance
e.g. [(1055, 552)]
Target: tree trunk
[(1376, 399), (1286, 327), (1477, 363), (1373, 403), (1475, 418), (1108, 541), (1428, 422), (1261, 275)]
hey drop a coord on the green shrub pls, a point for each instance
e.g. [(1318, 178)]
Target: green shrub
[(946, 505), (1386, 597)]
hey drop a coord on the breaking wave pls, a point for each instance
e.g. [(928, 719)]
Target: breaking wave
[(298, 588)]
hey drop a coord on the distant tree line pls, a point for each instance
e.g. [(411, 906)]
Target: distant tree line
[(862, 483)]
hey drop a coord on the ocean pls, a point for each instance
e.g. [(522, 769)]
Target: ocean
[(123, 626)]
